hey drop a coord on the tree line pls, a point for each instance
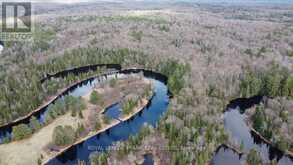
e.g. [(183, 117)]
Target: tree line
[(17, 86), (276, 81), (60, 107)]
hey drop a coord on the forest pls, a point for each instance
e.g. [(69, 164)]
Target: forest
[(276, 81), (78, 57), (211, 53), (26, 83)]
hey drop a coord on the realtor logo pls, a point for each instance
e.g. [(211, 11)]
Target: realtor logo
[(16, 21)]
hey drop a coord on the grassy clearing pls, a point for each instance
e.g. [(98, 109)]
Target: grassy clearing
[(27, 152)]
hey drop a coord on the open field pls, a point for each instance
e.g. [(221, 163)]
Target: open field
[(28, 151)]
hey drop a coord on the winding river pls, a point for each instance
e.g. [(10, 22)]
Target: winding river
[(150, 115), (77, 89), (233, 122)]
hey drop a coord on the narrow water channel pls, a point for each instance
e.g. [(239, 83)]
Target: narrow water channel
[(78, 90), (233, 122), (150, 115), (113, 112), (235, 125)]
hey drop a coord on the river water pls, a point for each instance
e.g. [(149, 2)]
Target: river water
[(233, 121), (235, 125), (150, 115)]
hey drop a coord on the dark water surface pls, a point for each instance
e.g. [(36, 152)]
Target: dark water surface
[(77, 90), (148, 159), (238, 131), (150, 115), (113, 112), (233, 122)]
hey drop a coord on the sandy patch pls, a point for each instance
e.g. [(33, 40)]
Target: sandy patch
[(27, 151)]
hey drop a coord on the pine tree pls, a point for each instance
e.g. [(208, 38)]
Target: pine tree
[(34, 124), (21, 131), (253, 158), (95, 97), (258, 119)]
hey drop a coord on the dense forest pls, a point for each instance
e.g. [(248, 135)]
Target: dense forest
[(66, 135), (271, 118), (191, 137), (276, 81), (26, 83)]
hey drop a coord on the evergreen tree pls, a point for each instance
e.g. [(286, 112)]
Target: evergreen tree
[(34, 124), (21, 131), (98, 158), (253, 158), (95, 97), (63, 135), (258, 119)]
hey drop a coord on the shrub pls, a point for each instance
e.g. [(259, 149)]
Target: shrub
[(81, 162), (21, 131), (34, 124), (106, 119), (128, 106), (164, 28), (60, 107), (98, 158), (80, 129), (95, 98), (73, 113), (69, 101), (63, 135), (80, 115), (137, 35), (113, 82), (248, 51), (6, 140), (78, 104), (290, 53), (98, 125), (282, 144), (253, 158), (74, 104), (288, 87), (39, 161)]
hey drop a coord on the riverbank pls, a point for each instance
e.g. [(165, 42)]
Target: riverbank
[(104, 128), (28, 151), (287, 152), (110, 96), (273, 116), (51, 99), (36, 150), (137, 109)]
